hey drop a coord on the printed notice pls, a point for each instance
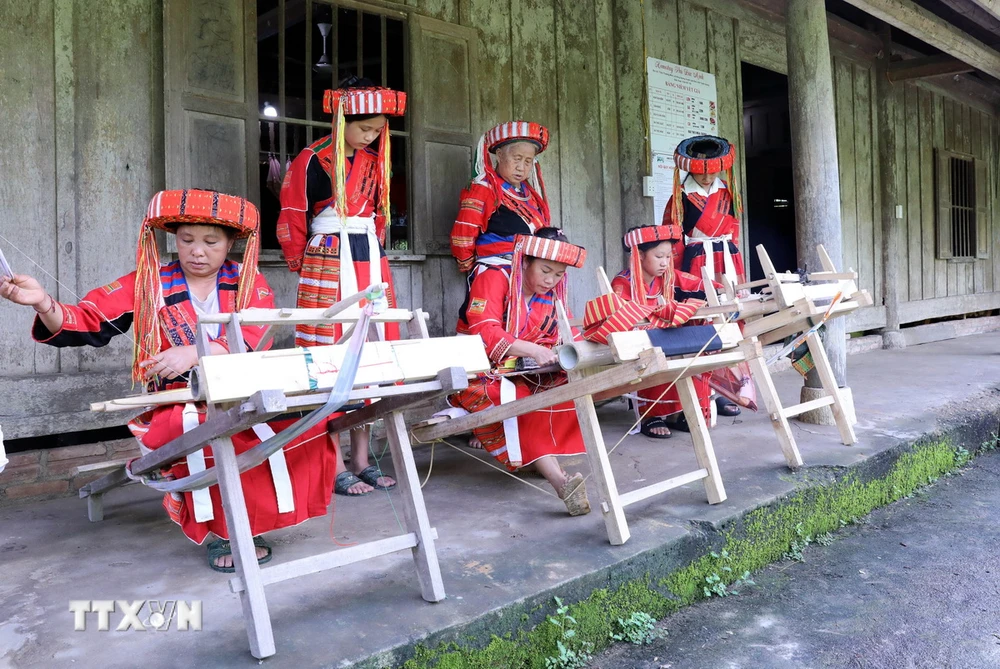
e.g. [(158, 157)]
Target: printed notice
[(682, 104)]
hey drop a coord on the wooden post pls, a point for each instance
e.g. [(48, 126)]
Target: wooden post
[(703, 449), (414, 511), (593, 439), (815, 171), (892, 227), (772, 403)]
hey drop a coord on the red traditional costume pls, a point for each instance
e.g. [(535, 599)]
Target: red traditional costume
[(334, 211), (707, 216), (673, 293), (498, 312), (491, 211), (290, 488)]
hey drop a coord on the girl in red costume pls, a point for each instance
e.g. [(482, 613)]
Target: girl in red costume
[(332, 228)]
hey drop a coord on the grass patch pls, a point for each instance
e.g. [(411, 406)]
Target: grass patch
[(763, 536)]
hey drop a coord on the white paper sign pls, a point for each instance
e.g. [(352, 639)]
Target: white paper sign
[(682, 104)]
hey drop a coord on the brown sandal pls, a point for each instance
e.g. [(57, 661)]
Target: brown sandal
[(574, 496)]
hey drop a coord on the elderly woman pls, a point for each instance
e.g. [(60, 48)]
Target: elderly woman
[(513, 310), (506, 198), (161, 303), (332, 228)]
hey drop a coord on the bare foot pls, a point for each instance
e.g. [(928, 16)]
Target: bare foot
[(475, 443)]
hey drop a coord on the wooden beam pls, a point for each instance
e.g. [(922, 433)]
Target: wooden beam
[(922, 24), (928, 66), (991, 7)]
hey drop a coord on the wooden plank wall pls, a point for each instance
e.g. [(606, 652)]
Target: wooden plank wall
[(857, 147), (537, 62), (926, 120)]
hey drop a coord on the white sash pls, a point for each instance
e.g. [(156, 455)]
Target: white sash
[(707, 244), (279, 471), (196, 463), (327, 222), (508, 393)]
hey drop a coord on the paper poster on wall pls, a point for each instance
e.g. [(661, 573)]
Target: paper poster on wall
[(663, 184), (682, 103)]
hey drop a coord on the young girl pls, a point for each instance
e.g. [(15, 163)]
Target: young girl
[(513, 310), (651, 280), (708, 211), (334, 211)]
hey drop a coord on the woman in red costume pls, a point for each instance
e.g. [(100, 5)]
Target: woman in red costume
[(162, 304), (651, 280), (513, 310), (332, 227), (506, 198)]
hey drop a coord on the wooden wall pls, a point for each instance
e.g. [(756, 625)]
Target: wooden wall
[(929, 287), (83, 137)]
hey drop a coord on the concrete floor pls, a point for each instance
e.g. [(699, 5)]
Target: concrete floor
[(915, 586), (503, 546)]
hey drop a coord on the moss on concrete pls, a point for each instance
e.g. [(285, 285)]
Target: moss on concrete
[(761, 537)]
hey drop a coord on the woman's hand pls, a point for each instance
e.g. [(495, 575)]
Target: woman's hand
[(22, 289), (544, 356), (171, 362)]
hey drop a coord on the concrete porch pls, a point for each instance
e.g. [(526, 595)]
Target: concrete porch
[(504, 547)]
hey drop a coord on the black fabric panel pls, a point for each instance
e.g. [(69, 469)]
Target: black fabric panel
[(505, 222), (685, 340)]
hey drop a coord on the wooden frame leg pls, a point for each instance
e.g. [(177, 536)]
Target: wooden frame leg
[(600, 467), (255, 613), (703, 449), (414, 511), (95, 508), (772, 403), (829, 381)]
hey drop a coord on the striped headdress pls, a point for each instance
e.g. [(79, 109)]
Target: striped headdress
[(508, 132), (343, 102), (704, 154), (644, 235), (534, 246), (168, 210)]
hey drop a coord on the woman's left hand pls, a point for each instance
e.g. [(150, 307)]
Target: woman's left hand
[(171, 362)]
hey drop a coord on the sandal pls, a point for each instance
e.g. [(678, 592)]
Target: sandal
[(726, 407), (221, 548), (343, 483), (655, 423), (574, 496), (681, 424), (371, 475)]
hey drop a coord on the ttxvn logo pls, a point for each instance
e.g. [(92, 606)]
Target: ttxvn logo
[(157, 615)]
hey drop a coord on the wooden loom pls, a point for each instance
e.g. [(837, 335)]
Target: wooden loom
[(629, 362), (240, 395), (787, 307)]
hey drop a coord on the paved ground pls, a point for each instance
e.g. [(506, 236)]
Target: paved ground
[(916, 585), (504, 547)]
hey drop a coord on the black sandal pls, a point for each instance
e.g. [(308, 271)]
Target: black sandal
[(371, 475), (681, 424), (221, 548), (343, 483), (656, 423), (726, 407)]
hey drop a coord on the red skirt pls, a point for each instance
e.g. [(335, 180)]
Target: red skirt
[(670, 403), (312, 465), (551, 431), (319, 283)]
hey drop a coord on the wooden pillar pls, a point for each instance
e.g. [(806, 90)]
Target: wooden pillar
[(892, 229), (814, 156)]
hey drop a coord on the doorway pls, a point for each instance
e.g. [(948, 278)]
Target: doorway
[(770, 208)]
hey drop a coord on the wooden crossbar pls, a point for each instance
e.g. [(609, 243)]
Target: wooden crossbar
[(798, 409), (633, 496)]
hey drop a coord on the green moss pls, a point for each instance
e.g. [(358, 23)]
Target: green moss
[(761, 537)]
